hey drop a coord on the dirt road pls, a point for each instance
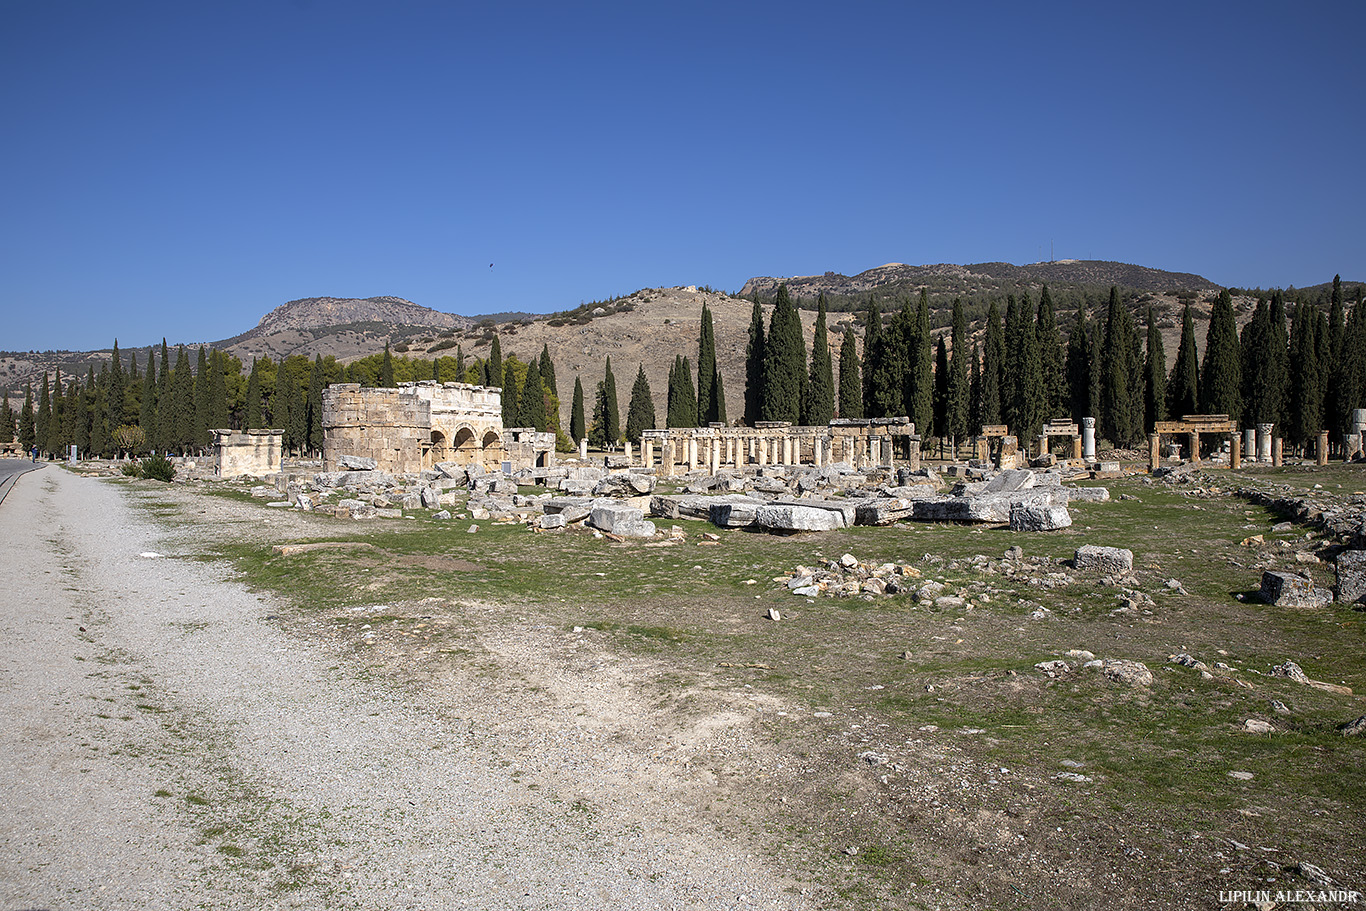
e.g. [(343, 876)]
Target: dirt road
[(166, 745)]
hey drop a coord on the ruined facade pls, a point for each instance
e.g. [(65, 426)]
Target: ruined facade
[(417, 425), (861, 443), (255, 453)]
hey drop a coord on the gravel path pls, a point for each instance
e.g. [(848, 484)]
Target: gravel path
[(166, 745)]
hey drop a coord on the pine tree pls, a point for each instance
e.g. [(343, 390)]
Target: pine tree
[(706, 369), (44, 418), (495, 364), (851, 384), (1221, 372), (820, 402), (784, 362), (1155, 377), (640, 414), (577, 424), (1121, 390), (611, 414), (958, 390), (531, 410), (919, 395), (1183, 387)]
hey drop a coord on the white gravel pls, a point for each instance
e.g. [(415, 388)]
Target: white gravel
[(181, 751)]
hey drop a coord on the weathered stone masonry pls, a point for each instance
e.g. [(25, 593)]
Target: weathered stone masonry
[(417, 425)]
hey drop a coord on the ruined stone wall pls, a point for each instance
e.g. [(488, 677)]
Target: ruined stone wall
[(255, 453), (391, 426)]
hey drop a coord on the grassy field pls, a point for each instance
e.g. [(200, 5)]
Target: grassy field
[(909, 754)]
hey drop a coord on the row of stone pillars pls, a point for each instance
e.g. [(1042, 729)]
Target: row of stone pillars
[(1261, 444), (715, 453)]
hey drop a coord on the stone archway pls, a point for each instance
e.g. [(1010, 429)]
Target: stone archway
[(492, 451), (465, 446), (437, 450)]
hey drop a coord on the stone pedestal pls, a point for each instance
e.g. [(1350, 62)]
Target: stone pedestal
[(1264, 442), (1088, 439)]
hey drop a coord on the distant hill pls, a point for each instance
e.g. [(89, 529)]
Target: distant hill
[(980, 279), (319, 312)]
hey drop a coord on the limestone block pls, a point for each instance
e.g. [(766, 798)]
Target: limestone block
[(621, 520), (793, 518), (883, 511), (734, 512), (552, 521), (1292, 590), (1087, 494), (431, 497), (356, 463), (574, 509), (1039, 518), (1110, 561), (1351, 586)]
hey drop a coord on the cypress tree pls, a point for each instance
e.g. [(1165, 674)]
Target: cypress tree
[(98, 445), (1051, 358), (851, 384), (253, 420), (78, 399), (611, 426), (1278, 354), (27, 429), (201, 400), (718, 398), (640, 414), (314, 405), (873, 351), (532, 408), (183, 433), (42, 423), (1335, 419), (941, 391), (147, 410), (993, 367), (820, 401), (495, 364), (1183, 388), (114, 402), (784, 362), (706, 369), (1305, 385), (512, 394), (1155, 377), (687, 407), (1221, 373), (132, 391), (548, 374), (386, 368), (577, 423), (754, 367), (1023, 392), (975, 390), (1121, 391), (958, 389), (166, 422), (919, 396), (6, 418), (1253, 345), (298, 414)]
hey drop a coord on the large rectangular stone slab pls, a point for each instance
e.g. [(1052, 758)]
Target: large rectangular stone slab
[(1111, 561), (793, 518), (1291, 590)]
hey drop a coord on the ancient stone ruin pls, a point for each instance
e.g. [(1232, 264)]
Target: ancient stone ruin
[(253, 453), (417, 425)]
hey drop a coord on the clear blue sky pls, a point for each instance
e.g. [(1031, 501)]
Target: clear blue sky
[(181, 168)]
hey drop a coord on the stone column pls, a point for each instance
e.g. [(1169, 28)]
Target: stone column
[(1043, 444), (1195, 446), (1276, 452), (666, 465), (692, 453), (817, 457), (1235, 450), (761, 458), (1076, 448), (914, 454), (982, 450), (647, 452), (628, 452), (583, 448), (715, 455), (1322, 451), (1088, 439), (1010, 451), (1250, 444), (1264, 442), (1154, 451)]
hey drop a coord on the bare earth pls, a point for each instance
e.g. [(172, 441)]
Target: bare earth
[(167, 745)]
